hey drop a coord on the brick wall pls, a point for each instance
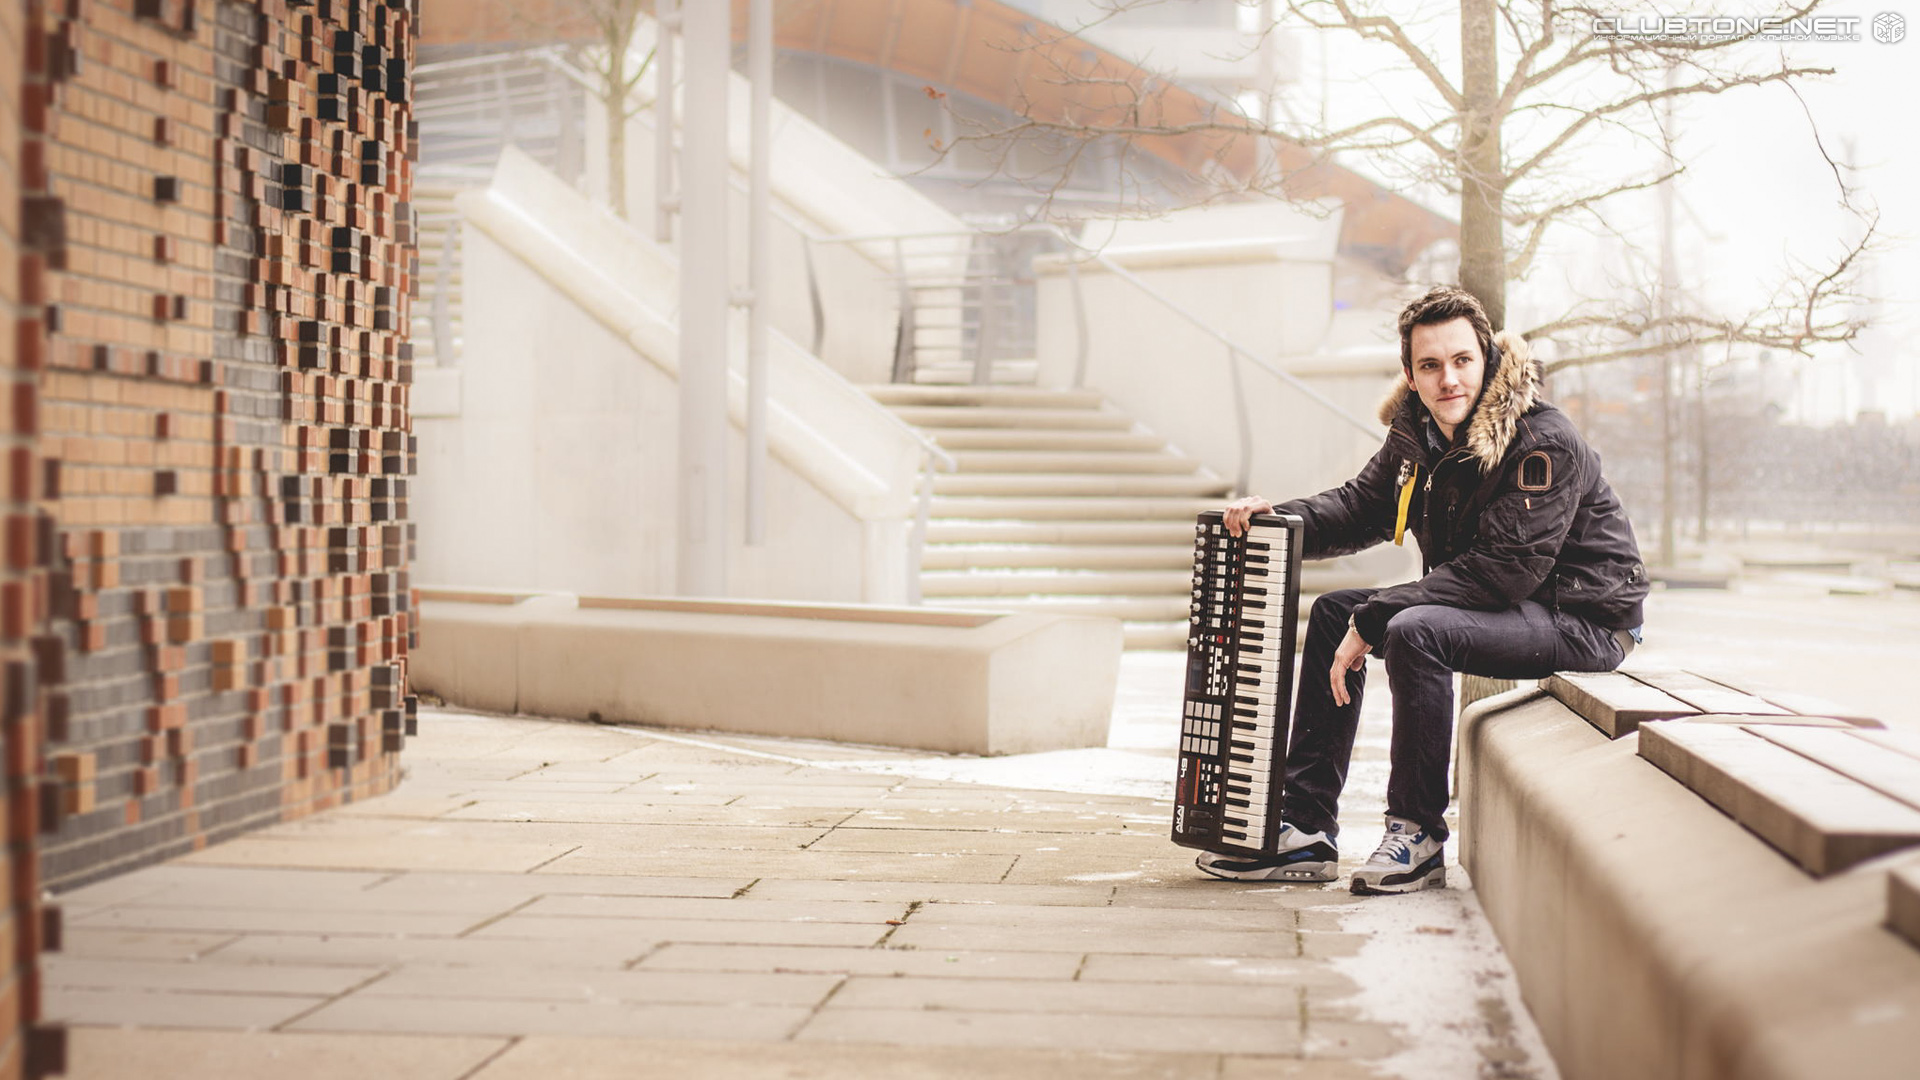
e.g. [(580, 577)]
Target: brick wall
[(27, 1048), (223, 241)]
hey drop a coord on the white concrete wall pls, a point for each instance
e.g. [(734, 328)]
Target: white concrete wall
[(552, 464), (821, 188)]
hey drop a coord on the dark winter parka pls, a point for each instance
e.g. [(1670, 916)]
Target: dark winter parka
[(1515, 509)]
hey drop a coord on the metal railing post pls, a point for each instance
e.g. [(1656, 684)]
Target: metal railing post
[(814, 301), (1244, 478), (1079, 323), (903, 346), (917, 542)]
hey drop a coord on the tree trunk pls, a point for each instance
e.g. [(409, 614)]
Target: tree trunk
[(1483, 250), (617, 155)]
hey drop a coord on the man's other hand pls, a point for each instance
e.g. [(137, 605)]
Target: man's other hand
[(1241, 511), (1350, 656)]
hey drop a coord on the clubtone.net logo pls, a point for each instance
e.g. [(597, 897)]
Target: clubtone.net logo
[(1764, 28), (1889, 27)]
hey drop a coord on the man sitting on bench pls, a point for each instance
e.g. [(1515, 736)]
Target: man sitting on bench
[(1531, 567)]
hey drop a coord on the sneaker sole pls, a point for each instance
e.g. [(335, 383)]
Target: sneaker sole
[(1435, 880), (1305, 873)]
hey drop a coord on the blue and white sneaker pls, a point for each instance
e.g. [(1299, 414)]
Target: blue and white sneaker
[(1407, 860), (1299, 856)]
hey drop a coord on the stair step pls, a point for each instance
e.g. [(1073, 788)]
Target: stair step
[(1087, 508), (1018, 439), (1062, 556), (1075, 461), (1141, 636), (935, 416), (1095, 484), (1054, 582), (994, 397), (961, 531)]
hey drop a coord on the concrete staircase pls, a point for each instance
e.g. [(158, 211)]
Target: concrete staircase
[(434, 202), (1061, 503)]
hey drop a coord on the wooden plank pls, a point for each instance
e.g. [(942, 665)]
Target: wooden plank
[(1706, 695), (1817, 817), (1903, 742), (1800, 704), (1903, 902), (1614, 702), (1894, 775)]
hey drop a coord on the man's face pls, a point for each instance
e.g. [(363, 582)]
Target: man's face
[(1447, 370)]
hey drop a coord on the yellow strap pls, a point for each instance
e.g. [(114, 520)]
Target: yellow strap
[(1406, 500)]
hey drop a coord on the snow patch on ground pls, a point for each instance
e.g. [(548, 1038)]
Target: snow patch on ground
[(1432, 965)]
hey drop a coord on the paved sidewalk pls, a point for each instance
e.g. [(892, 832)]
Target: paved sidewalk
[(544, 899)]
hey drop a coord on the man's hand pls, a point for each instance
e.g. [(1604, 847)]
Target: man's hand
[(1350, 656), (1241, 511)]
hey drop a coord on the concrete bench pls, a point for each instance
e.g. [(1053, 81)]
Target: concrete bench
[(1705, 894), (976, 682)]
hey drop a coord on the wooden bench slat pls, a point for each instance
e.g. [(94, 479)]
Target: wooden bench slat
[(1708, 696), (1614, 702), (1798, 703), (1819, 818), (1894, 775), (1902, 742)]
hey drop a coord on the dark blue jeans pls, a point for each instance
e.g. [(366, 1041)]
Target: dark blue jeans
[(1424, 647)]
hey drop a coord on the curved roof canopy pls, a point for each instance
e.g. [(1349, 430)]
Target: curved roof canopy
[(998, 54)]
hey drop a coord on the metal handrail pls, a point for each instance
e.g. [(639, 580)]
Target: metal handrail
[(1079, 255)]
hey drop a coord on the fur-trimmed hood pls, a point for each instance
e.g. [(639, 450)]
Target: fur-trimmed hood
[(1510, 388)]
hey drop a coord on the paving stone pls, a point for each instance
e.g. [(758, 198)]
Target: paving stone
[(156, 1008), (1081, 997), (1350, 1039), (1326, 945), (589, 985), (138, 944), (624, 932), (958, 964), (452, 952), (444, 1016), (398, 853), (617, 809), (1201, 893), (869, 913), (1096, 939), (1017, 817), (593, 859), (937, 892), (315, 920), (102, 1053), (1151, 1034), (541, 1058), (1003, 842), (1281, 1068), (518, 888), (64, 972), (1228, 970), (1107, 919)]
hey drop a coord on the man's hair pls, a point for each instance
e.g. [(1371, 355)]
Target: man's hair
[(1444, 303)]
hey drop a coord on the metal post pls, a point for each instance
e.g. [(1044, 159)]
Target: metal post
[(1244, 478), (704, 303), (665, 201), (759, 266), (1079, 322)]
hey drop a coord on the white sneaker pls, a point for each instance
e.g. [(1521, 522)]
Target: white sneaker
[(1300, 856), (1407, 860)]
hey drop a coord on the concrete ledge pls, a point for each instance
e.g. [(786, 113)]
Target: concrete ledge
[(1653, 936), (950, 681)]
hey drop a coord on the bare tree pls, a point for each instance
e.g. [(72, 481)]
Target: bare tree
[(616, 73), (1514, 146)]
